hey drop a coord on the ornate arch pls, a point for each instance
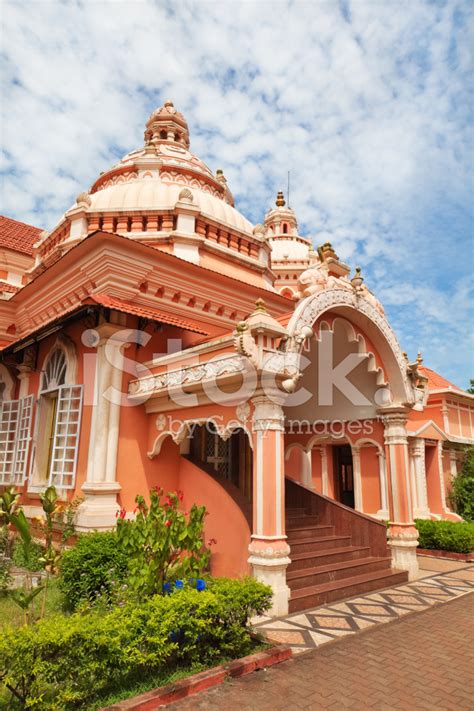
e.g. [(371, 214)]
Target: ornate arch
[(360, 311), (60, 365)]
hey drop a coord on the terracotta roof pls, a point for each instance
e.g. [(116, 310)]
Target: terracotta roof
[(111, 302), (18, 236), (437, 382)]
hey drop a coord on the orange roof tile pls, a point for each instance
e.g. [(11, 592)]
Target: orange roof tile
[(18, 236), (111, 302), (436, 381)]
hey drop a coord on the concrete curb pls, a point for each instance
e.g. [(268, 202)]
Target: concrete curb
[(204, 680)]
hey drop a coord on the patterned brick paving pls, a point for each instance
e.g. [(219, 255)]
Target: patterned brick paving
[(420, 662), (313, 628)]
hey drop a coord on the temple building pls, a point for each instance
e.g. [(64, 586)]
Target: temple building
[(156, 337)]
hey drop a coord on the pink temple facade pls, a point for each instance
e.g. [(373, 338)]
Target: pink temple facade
[(155, 337)]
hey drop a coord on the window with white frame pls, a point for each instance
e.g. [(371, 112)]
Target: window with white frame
[(15, 437), (58, 426)]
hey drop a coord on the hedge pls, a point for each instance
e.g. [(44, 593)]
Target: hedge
[(65, 662), (445, 535)]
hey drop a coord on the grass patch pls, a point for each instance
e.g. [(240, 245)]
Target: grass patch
[(12, 615)]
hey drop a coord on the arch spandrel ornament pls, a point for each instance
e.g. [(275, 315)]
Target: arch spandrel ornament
[(312, 307)]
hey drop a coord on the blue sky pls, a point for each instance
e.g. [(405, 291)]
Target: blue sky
[(368, 104)]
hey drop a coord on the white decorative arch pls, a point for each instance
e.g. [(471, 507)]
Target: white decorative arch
[(180, 435), (8, 390), (60, 365), (359, 310), (306, 474)]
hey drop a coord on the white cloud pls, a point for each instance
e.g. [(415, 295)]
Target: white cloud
[(369, 109)]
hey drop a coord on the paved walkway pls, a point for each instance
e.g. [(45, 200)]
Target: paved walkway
[(307, 630), (421, 662)]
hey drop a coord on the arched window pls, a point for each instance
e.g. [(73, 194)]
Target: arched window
[(285, 228), (54, 374), (58, 421)]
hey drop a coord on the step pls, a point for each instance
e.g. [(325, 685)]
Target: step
[(309, 577), (295, 513), (301, 561), (320, 543), (313, 596), (303, 532), (307, 520)]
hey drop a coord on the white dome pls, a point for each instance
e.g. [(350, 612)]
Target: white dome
[(154, 194), (291, 248)]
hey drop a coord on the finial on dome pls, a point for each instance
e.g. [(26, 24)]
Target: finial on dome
[(357, 279), (260, 305), (166, 124), (280, 200)]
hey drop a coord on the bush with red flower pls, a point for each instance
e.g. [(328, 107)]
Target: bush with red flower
[(162, 543)]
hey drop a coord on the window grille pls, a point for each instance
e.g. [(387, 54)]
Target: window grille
[(67, 426), (15, 437)]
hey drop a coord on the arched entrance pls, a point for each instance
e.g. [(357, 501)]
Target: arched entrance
[(229, 458)]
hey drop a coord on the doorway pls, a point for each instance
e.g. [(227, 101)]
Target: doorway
[(344, 475)]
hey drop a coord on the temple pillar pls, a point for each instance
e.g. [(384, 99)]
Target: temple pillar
[(324, 470), (357, 477), (417, 462), (402, 533), (268, 549), (99, 508), (383, 512)]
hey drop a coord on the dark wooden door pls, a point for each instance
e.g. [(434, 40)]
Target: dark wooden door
[(344, 474)]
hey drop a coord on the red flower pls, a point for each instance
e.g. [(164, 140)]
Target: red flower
[(180, 495), (168, 501), (168, 523), (122, 513)]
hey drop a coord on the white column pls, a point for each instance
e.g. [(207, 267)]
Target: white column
[(417, 460), (453, 468), (324, 470), (383, 512), (99, 508), (357, 478)]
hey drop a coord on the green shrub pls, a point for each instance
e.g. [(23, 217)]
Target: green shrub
[(28, 558), (91, 568), (462, 488), (445, 535), (66, 662)]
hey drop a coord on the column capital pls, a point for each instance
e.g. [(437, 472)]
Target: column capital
[(267, 415), (417, 447)]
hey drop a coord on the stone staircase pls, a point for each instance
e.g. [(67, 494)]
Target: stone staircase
[(336, 552)]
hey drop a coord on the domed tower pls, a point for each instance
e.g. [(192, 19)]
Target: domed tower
[(291, 253), (163, 195)]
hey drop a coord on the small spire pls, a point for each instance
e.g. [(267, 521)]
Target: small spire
[(419, 359), (357, 279), (280, 201), (260, 305)]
